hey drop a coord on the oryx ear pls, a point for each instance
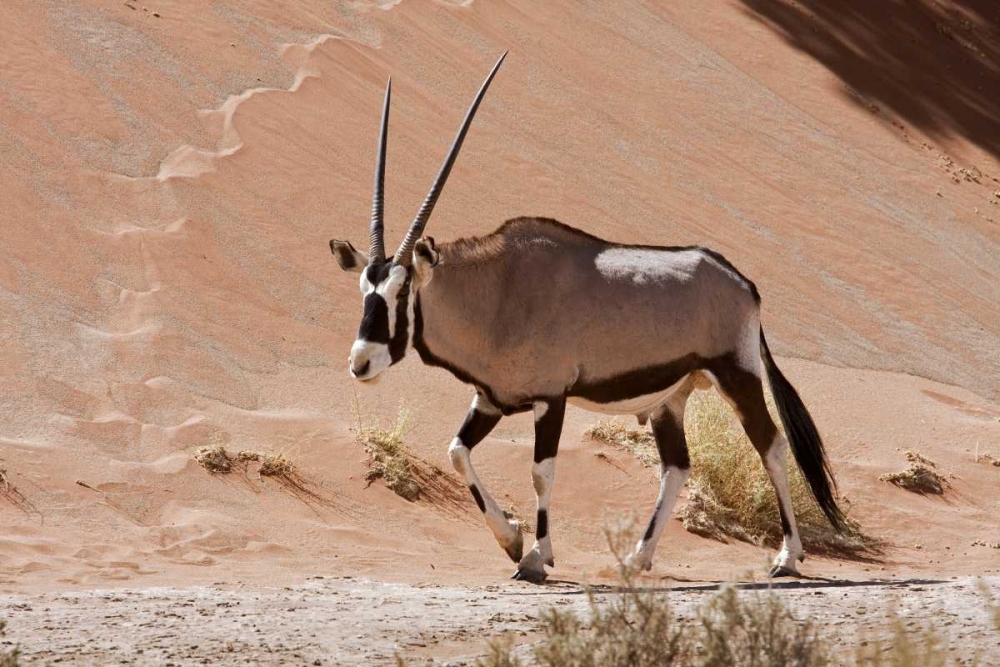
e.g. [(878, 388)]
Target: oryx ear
[(425, 258), (348, 258)]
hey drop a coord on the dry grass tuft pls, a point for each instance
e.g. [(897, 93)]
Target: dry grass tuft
[(914, 457), (636, 441), (271, 465), (730, 495), (994, 606), (13, 495), (917, 478), (215, 459), (920, 477), (757, 629), (276, 465), (406, 474), (389, 458), (636, 627), (906, 648), (247, 456)]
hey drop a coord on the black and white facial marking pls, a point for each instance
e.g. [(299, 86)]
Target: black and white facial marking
[(388, 291), (386, 323)]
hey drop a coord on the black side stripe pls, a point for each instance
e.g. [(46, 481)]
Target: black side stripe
[(543, 524)]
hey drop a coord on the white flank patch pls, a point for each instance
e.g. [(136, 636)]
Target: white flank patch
[(542, 475), (645, 266)]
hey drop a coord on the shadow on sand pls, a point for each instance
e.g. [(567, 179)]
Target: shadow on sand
[(935, 65), (568, 587)]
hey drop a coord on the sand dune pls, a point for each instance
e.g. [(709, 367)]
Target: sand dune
[(171, 175)]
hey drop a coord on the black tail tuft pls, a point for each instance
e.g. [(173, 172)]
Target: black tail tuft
[(807, 447)]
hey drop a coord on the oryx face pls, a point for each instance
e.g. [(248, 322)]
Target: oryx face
[(386, 314), (388, 293), (389, 286), (386, 323)]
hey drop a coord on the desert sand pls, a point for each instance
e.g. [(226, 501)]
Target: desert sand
[(171, 174)]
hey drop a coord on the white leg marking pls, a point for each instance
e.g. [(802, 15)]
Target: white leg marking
[(480, 404), (672, 479), (505, 532), (776, 464), (542, 477)]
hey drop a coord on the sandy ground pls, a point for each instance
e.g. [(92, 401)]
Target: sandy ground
[(344, 620), (171, 174)]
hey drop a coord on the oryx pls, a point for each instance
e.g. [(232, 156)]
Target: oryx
[(539, 313)]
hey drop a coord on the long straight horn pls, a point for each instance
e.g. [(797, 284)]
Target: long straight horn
[(404, 254), (376, 234)]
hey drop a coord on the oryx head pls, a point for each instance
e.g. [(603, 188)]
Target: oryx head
[(388, 284)]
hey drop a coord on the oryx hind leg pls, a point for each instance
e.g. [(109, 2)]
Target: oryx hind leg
[(548, 426), (675, 467), (480, 420), (743, 389)]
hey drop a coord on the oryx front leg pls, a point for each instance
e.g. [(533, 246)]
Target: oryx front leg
[(482, 417), (548, 426), (675, 468)]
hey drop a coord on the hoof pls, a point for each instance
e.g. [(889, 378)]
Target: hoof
[(782, 571), (638, 563), (516, 548), (531, 576)]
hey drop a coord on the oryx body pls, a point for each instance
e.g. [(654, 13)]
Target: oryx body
[(557, 312), (539, 314)]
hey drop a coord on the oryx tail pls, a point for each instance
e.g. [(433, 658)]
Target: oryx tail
[(803, 437)]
